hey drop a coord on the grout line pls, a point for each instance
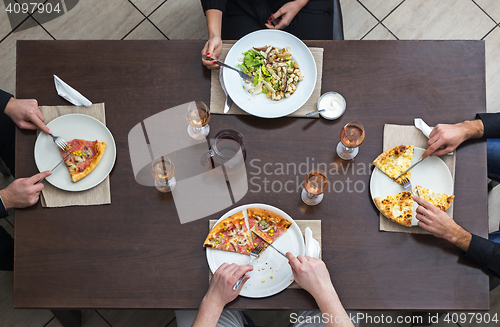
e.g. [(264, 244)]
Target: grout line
[(48, 322), (102, 317), (379, 21), (123, 38), (482, 39), (390, 12), (484, 11), (147, 17), (30, 15), (15, 28), (9, 222), (371, 29), (171, 321)]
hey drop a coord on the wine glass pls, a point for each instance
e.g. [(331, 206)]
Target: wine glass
[(198, 115), (315, 185), (351, 136), (162, 170)]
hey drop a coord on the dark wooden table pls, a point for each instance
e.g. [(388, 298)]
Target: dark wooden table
[(134, 253)]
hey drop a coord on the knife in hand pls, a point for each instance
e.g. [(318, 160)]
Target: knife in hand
[(229, 102), (269, 244), (60, 162)]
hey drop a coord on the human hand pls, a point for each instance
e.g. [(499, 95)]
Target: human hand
[(445, 138), (287, 12), (220, 291), (212, 49), (26, 114), (311, 274), (440, 224), (23, 192)]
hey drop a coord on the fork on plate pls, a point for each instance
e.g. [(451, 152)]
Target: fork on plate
[(406, 184), (253, 255), (220, 63), (59, 141)]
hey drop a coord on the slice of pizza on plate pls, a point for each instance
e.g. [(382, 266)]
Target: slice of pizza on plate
[(396, 160), (397, 207), (267, 224), (84, 157), (440, 200), (231, 234)]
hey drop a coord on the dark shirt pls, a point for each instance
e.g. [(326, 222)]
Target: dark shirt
[(484, 253), (4, 99), (491, 122)]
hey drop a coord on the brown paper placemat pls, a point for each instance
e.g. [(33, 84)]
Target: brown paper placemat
[(52, 196), (218, 98), (395, 135), (314, 225)]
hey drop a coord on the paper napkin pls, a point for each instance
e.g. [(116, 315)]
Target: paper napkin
[(312, 246), (70, 94), (426, 129)]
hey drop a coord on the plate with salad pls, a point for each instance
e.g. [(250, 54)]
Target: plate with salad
[(284, 73)]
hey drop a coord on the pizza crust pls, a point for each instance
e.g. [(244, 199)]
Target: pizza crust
[(394, 161), (220, 228), (99, 152), (401, 203), (440, 200)]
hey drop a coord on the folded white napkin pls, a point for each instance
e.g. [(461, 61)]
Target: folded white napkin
[(426, 129), (70, 93), (312, 246)]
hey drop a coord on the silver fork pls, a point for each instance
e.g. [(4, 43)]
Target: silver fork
[(59, 142), (253, 255), (406, 184), (220, 63)]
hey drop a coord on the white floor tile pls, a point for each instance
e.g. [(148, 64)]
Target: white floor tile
[(145, 31), (380, 8), (493, 71), (357, 20), (379, 33)]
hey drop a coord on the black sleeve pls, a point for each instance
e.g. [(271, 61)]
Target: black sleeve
[(213, 4), (491, 122), (4, 99), (484, 253)]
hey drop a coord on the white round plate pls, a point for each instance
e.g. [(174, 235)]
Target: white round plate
[(259, 105), (269, 263), (70, 127), (432, 173)]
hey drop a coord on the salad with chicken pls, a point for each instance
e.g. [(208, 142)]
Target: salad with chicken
[(274, 72)]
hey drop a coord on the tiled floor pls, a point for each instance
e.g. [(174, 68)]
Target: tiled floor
[(183, 19)]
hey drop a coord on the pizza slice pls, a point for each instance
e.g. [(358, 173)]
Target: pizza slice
[(440, 200), (266, 224), (394, 161), (398, 207), (231, 234), (84, 157)]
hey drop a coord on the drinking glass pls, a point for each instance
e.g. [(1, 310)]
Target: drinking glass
[(315, 185), (162, 170), (351, 137), (198, 115)]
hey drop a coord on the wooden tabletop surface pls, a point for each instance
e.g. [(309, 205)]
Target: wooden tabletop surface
[(135, 253)]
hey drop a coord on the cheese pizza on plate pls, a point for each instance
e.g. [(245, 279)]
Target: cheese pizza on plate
[(397, 207), (396, 160), (440, 200)]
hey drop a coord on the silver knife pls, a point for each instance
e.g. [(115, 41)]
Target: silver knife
[(60, 162), (229, 102), (269, 244), (416, 163)]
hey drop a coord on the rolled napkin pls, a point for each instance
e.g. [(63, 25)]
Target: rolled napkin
[(70, 94), (426, 129), (312, 246)]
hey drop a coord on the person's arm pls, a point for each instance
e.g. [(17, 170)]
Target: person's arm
[(313, 276), (287, 12), (23, 192), (445, 138), (484, 253), (4, 99), (213, 11), (491, 122), (220, 292), (26, 114), (439, 224)]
